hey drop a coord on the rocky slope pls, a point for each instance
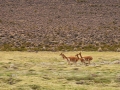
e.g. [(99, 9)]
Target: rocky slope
[(59, 24)]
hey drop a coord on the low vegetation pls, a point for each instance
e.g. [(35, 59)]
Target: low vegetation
[(47, 70), (60, 25)]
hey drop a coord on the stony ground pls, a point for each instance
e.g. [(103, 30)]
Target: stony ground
[(51, 24)]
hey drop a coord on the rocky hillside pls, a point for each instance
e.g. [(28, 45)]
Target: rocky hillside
[(59, 24)]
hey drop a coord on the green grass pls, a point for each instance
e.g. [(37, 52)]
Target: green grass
[(47, 70)]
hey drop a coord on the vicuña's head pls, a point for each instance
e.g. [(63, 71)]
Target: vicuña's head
[(60, 53), (80, 54), (76, 54), (63, 55)]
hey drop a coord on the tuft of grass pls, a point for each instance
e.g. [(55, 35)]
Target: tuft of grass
[(102, 80), (35, 87), (46, 77), (117, 79), (78, 78), (10, 80)]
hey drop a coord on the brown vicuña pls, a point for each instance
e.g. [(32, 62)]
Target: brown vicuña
[(86, 58), (81, 59), (70, 59)]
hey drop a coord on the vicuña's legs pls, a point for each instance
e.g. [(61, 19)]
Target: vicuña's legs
[(87, 58)]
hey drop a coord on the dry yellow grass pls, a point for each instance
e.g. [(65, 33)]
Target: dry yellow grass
[(48, 71)]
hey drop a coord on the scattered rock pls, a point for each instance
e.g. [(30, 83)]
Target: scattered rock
[(116, 62), (100, 49), (118, 50), (42, 29)]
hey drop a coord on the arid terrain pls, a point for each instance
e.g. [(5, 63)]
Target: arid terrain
[(59, 24)]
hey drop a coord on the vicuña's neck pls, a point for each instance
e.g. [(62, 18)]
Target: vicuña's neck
[(77, 56), (64, 56), (81, 55)]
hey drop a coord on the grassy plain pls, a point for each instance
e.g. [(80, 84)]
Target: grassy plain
[(48, 71)]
